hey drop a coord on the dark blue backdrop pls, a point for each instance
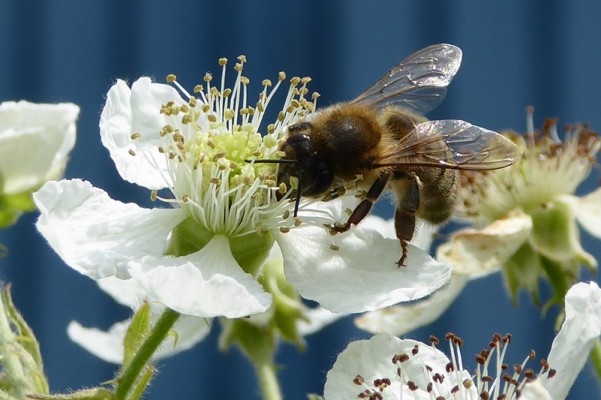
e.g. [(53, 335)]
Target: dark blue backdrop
[(515, 53)]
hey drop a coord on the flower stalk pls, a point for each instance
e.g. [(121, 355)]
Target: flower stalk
[(135, 370)]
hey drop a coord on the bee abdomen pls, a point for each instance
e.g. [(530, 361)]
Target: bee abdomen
[(438, 194)]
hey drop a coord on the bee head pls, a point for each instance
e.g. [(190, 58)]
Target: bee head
[(302, 161), (314, 174)]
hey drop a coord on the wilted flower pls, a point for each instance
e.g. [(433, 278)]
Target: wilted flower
[(386, 367), (202, 256), (35, 141), (531, 211)]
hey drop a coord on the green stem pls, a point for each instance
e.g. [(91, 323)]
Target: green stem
[(268, 381), (596, 358), (147, 349), (259, 345)]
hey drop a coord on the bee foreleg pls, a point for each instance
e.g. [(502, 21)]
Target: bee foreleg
[(404, 218), (363, 209)]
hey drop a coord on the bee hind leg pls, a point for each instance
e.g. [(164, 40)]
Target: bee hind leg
[(363, 209), (404, 217)]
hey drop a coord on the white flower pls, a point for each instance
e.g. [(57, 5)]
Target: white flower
[(35, 141), (202, 255), (386, 367)]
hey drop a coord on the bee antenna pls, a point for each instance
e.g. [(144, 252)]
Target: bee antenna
[(285, 161), (298, 193)]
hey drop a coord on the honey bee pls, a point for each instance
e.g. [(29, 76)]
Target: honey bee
[(382, 141)]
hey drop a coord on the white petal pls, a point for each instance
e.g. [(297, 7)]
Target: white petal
[(137, 111), (535, 391), (588, 211), (128, 292), (96, 235), (403, 318), (208, 283), (108, 345), (316, 319), (422, 237), (372, 359), (573, 343), (479, 252), (362, 275), (35, 140)]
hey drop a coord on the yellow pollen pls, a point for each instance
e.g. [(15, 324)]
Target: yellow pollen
[(212, 118), (295, 81), (266, 82), (131, 152), (198, 89), (242, 58), (284, 229), (244, 80), (297, 221), (238, 67), (153, 195), (171, 78), (283, 188), (286, 214), (208, 77), (270, 182), (222, 61), (185, 198), (282, 76), (216, 181), (135, 136)]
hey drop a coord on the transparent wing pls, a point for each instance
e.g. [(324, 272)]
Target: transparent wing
[(452, 144), (419, 83)]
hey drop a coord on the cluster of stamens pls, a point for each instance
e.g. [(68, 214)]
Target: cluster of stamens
[(491, 379), (208, 142), (486, 196)]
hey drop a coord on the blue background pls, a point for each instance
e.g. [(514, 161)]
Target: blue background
[(545, 54)]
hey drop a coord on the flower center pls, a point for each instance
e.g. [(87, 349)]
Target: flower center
[(207, 142), (549, 167)]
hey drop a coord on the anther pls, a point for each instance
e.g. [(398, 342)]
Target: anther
[(171, 78)]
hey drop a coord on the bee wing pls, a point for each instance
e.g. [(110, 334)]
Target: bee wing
[(452, 144), (419, 83)]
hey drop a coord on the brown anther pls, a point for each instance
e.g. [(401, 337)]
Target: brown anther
[(284, 229), (412, 386), (415, 350), (359, 380), (131, 152), (532, 355), (450, 367), (454, 389), (434, 340), (552, 373)]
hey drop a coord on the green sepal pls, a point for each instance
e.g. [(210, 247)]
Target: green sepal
[(523, 270), (22, 367), (257, 342), (188, 237), (136, 332), (250, 251), (13, 206), (24, 333), (560, 279), (86, 394), (287, 307), (555, 234), (142, 383)]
